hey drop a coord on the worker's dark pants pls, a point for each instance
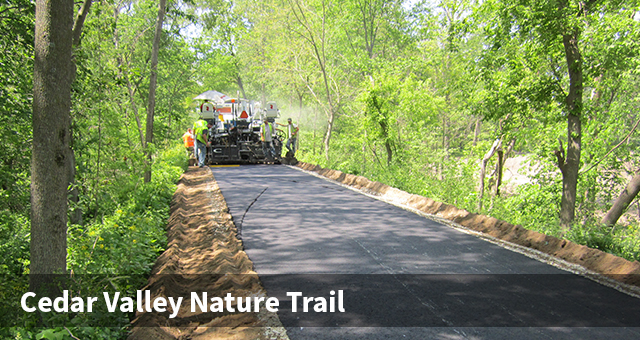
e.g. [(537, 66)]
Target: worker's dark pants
[(291, 144), (201, 151), (268, 150)]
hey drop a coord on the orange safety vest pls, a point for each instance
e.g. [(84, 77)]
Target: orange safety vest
[(188, 140)]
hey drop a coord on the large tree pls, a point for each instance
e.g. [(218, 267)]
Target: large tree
[(540, 45), (153, 80), (312, 24), (51, 137), (53, 159)]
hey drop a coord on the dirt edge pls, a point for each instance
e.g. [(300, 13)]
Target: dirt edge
[(594, 260), (203, 254)]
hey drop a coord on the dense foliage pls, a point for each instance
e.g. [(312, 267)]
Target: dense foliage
[(412, 94), (112, 252), (116, 227)]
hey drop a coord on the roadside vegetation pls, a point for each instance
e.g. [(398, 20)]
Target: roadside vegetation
[(113, 250), (115, 219), (429, 96)]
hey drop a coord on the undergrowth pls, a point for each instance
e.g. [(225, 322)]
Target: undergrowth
[(112, 251)]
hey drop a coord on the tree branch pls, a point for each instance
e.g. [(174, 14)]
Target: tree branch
[(79, 23)]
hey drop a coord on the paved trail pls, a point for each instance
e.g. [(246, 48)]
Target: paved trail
[(404, 276)]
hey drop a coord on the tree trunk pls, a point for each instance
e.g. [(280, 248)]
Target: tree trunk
[(499, 167), (152, 87), (300, 97), (570, 166), (327, 136), (79, 23), (241, 86), (512, 144), (51, 138), (483, 169), (387, 146), (385, 134), (622, 202), (364, 152), (476, 132), (134, 108), (502, 158)]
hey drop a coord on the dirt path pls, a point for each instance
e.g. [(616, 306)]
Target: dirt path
[(203, 255)]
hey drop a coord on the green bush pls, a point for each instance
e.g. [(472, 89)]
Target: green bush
[(534, 206), (112, 251)]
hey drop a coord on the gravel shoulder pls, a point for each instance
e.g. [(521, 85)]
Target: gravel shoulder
[(204, 255)]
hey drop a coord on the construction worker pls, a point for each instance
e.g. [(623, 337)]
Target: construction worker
[(187, 138), (197, 125), (201, 131), (266, 136), (292, 135)]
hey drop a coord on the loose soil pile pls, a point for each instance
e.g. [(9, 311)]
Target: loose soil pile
[(203, 255), (606, 264)]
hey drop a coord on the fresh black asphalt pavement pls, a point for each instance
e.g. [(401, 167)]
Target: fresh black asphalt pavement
[(401, 275)]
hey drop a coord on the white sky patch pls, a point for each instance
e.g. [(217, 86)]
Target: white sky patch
[(192, 31)]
